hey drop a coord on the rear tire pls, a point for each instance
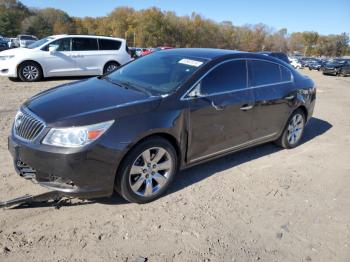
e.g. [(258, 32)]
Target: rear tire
[(293, 131), (110, 67), (342, 73), (30, 72), (147, 170)]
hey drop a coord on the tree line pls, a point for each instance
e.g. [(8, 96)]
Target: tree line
[(153, 27)]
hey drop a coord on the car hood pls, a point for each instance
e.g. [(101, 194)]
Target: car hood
[(74, 103), (16, 51)]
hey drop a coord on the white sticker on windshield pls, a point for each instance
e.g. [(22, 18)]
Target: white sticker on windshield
[(190, 62)]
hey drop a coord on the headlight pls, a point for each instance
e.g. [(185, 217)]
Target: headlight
[(76, 136), (6, 57)]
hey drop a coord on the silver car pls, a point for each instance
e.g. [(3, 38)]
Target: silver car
[(26, 40)]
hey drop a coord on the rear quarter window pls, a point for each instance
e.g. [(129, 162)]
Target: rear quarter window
[(286, 75), (106, 44)]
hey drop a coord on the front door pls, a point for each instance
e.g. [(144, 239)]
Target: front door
[(221, 116), (59, 62)]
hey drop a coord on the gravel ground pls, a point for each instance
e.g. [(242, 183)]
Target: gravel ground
[(262, 204)]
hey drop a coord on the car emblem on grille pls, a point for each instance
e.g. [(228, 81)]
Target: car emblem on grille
[(27, 126), (18, 119)]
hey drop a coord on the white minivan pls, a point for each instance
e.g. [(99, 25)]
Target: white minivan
[(64, 55)]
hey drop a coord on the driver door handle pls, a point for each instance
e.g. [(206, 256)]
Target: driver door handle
[(246, 107), (289, 97)]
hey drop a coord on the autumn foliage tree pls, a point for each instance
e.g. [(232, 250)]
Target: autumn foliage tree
[(154, 27)]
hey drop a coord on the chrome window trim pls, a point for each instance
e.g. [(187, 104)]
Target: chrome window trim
[(185, 96)]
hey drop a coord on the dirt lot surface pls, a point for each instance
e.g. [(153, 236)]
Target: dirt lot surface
[(262, 204)]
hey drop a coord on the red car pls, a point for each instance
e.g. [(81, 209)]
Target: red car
[(151, 50)]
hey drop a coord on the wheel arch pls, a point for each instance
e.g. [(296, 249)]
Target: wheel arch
[(169, 137), (304, 109), (110, 61), (32, 61)]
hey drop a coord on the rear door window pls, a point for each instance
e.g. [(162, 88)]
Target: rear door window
[(84, 44), (227, 77), (107, 44), (263, 73)]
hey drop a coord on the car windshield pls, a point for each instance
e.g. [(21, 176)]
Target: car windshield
[(335, 62), (40, 42), (160, 72)]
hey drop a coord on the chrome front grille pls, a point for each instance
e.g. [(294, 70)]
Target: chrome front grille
[(27, 126)]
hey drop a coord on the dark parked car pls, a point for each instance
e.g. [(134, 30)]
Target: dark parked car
[(337, 67), (315, 65), (280, 55), (3, 44), (133, 129)]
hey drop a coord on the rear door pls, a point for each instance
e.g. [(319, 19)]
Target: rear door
[(220, 118), (86, 55), (273, 87)]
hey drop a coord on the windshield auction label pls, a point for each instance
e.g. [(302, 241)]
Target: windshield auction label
[(190, 62)]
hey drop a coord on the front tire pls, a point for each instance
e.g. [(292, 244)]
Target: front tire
[(147, 171), (14, 79), (30, 72), (294, 130)]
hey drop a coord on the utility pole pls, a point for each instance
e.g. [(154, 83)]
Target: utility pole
[(134, 39)]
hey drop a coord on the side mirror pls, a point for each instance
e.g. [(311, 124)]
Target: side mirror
[(196, 92), (52, 48)]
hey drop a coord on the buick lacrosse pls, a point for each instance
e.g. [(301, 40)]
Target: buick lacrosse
[(133, 129)]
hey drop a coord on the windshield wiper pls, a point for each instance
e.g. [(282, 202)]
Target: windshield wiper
[(114, 83), (128, 85), (131, 85)]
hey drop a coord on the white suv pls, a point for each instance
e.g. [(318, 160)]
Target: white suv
[(64, 55)]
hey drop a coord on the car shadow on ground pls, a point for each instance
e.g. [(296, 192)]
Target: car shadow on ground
[(315, 127), (188, 177)]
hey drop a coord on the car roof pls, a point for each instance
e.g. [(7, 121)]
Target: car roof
[(217, 54), (207, 53), (88, 36)]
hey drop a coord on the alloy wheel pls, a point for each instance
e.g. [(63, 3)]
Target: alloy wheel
[(295, 129), (30, 72), (111, 68), (151, 171)]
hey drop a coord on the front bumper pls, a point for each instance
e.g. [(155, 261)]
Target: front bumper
[(85, 174), (332, 71), (8, 68)]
